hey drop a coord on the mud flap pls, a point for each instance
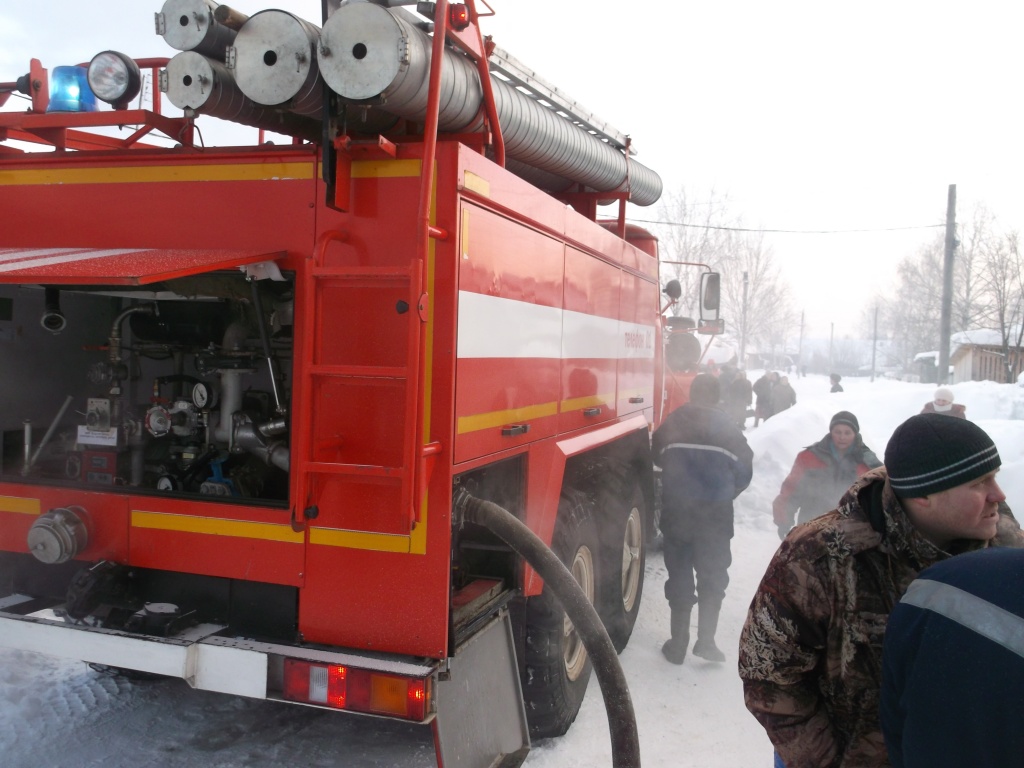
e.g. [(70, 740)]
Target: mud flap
[(480, 716)]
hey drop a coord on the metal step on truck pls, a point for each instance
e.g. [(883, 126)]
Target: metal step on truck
[(251, 391)]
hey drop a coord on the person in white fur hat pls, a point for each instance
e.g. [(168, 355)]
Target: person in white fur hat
[(942, 402)]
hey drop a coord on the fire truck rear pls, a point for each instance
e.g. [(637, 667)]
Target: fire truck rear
[(243, 384)]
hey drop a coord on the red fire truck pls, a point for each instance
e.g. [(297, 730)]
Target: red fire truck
[(243, 384)]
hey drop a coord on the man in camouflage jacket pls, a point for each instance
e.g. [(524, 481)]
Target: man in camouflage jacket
[(811, 648)]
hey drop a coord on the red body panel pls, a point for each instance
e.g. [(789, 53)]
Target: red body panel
[(590, 337), (107, 521), (372, 562)]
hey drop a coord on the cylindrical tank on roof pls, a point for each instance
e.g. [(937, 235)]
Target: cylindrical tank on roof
[(368, 52), (274, 62), (189, 25), (192, 81)]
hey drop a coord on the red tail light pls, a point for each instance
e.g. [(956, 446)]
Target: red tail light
[(458, 16), (357, 690)]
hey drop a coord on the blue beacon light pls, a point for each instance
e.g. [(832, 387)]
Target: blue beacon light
[(69, 91)]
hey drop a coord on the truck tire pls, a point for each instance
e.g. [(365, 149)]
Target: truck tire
[(625, 530), (557, 667)]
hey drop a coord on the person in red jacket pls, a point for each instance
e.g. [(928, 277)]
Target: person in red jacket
[(822, 473)]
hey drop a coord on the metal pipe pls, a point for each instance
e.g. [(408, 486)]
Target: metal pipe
[(370, 52), (114, 343), (138, 465), (27, 464), (249, 439), (51, 430), (273, 427), (53, 319), (230, 403), (229, 17), (265, 343)]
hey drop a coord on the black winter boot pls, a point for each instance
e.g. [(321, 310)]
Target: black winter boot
[(674, 648), (707, 625)]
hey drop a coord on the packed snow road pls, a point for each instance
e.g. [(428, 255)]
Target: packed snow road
[(64, 715)]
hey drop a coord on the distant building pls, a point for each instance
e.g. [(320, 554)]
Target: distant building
[(926, 367), (978, 356)]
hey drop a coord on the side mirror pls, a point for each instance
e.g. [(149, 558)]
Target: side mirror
[(710, 293), (710, 296)]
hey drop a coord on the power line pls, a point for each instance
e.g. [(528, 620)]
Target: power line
[(784, 231)]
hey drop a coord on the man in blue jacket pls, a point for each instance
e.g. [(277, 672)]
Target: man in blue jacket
[(706, 463), (953, 665)]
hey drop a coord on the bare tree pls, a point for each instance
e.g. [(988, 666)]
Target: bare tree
[(697, 230), (1004, 290), (986, 288), (976, 239), (705, 230), (913, 314), (847, 355), (770, 316)]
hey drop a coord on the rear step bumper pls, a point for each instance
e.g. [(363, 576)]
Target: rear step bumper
[(198, 655), (478, 721)]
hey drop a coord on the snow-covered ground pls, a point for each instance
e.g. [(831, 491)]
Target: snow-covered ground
[(57, 713)]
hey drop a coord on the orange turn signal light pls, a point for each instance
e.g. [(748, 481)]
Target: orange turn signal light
[(357, 690)]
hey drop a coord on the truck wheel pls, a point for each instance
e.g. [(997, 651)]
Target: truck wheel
[(625, 526), (557, 667)]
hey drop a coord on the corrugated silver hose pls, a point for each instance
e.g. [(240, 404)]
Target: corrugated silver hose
[(368, 51)]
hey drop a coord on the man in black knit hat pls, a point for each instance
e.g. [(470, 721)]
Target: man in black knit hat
[(811, 648)]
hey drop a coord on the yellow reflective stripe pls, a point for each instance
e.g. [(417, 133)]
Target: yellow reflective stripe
[(475, 183), (379, 542), (19, 505), (586, 402), (161, 173), (499, 418), (215, 526), (381, 169)]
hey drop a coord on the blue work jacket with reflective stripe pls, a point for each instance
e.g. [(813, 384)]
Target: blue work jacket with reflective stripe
[(703, 455), (953, 668)]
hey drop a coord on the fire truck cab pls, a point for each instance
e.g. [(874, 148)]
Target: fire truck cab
[(242, 384)]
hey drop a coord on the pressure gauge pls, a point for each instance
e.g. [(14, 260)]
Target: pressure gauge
[(201, 394)]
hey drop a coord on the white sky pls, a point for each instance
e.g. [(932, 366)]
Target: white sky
[(809, 115)]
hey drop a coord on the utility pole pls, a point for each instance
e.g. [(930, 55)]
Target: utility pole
[(743, 327), (874, 344), (800, 346), (947, 286), (831, 339)]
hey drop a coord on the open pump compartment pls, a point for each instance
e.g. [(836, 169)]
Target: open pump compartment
[(148, 370)]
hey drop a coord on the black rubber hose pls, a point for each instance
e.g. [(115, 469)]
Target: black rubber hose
[(617, 702)]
